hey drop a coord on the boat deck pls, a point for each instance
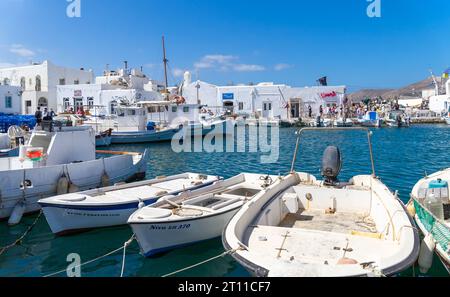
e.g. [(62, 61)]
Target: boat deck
[(338, 222), (311, 243)]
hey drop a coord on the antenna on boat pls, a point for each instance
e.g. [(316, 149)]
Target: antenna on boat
[(165, 66)]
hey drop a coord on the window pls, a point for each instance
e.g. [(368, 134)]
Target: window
[(174, 109), (22, 83), (6, 82), (8, 102), (42, 102), (76, 82), (241, 105), (186, 109), (270, 106), (37, 87), (265, 106), (66, 102), (90, 102), (62, 81)]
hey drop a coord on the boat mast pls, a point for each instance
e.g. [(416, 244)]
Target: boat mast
[(165, 66)]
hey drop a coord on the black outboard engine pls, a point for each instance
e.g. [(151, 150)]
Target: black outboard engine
[(331, 165)]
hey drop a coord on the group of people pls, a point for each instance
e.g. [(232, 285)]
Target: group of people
[(45, 115)]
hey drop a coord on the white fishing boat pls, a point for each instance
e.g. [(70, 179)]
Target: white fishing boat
[(177, 221), (398, 119), (112, 206), (307, 227), (60, 162), (430, 206), (340, 122), (371, 119)]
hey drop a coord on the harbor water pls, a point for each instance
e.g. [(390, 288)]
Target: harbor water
[(402, 157)]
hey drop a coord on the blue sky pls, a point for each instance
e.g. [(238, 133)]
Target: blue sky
[(293, 42)]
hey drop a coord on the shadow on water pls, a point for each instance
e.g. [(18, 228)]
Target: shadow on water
[(402, 156)]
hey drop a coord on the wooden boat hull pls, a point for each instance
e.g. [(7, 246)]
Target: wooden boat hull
[(65, 217), (143, 136), (156, 238)]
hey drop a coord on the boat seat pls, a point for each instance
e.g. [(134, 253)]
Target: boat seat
[(224, 204)]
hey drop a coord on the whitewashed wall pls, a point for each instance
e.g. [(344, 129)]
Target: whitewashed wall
[(14, 93)]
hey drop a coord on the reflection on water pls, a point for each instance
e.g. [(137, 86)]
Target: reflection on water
[(402, 156)]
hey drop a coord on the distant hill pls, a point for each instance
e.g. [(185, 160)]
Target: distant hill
[(412, 90)]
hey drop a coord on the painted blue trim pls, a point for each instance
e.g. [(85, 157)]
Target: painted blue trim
[(130, 205), (166, 249)]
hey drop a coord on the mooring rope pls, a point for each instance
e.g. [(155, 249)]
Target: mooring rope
[(127, 243), (9, 246), (201, 263)]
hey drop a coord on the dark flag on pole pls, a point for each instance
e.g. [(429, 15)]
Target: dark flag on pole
[(323, 81)]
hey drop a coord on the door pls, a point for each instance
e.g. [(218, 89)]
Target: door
[(267, 110), (77, 103)]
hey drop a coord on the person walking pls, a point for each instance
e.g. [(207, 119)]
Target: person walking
[(52, 113), (309, 111), (38, 116)]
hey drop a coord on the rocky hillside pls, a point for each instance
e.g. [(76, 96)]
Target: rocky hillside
[(412, 90)]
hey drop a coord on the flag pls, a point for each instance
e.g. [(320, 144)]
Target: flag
[(446, 73), (323, 81)]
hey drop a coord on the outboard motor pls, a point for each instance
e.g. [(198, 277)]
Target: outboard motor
[(331, 165)]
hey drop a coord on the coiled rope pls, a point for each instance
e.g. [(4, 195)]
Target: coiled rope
[(203, 262), (126, 244), (19, 240)]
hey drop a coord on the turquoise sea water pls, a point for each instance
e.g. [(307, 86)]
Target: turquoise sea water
[(402, 157)]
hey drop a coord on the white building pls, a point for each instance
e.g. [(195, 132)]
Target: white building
[(109, 90), (441, 103), (39, 83), (10, 100), (268, 100)]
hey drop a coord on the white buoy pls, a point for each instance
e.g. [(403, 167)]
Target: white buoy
[(17, 214), (63, 185), (426, 253)]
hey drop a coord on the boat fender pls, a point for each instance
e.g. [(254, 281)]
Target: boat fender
[(347, 261), (73, 188), (17, 214), (426, 253), (105, 180), (411, 209), (141, 204), (62, 186)]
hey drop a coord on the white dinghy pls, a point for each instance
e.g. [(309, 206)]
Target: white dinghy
[(430, 206), (112, 206), (188, 218), (309, 228), (61, 162)]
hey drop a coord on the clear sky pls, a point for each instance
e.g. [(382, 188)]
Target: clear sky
[(240, 41)]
